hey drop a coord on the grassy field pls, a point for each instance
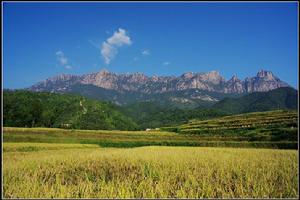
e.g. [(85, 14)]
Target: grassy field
[(80, 170)]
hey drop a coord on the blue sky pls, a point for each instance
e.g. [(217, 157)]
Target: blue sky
[(45, 39)]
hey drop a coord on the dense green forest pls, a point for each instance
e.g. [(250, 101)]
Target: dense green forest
[(39, 109)]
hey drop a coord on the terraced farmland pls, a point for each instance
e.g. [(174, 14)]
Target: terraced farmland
[(257, 119), (259, 126)]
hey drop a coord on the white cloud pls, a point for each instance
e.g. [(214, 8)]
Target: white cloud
[(110, 47), (119, 38), (166, 63), (68, 67), (146, 52), (63, 60)]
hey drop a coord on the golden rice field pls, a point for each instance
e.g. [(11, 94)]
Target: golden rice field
[(41, 170)]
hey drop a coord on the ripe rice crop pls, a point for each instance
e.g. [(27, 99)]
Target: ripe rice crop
[(87, 171)]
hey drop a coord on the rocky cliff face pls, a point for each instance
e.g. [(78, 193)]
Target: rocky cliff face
[(138, 82)]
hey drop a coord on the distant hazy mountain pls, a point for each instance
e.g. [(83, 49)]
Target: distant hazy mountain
[(194, 89)]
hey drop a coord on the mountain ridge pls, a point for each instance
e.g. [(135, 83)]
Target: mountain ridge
[(208, 81)]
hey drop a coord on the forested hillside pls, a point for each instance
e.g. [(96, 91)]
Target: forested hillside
[(38, 109)]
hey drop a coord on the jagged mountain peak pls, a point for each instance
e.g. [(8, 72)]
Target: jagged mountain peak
[(138, 77), (214, 75), (104, 72), (138, 74), (214, 72), (209, 73), (264, 73), (62, 77)]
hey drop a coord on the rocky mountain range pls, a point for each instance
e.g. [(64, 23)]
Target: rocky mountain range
[(138, 82)]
